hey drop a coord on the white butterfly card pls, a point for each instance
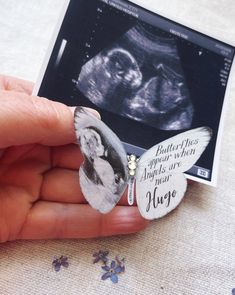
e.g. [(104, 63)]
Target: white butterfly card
[(158, 174)]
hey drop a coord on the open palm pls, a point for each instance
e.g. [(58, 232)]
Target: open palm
[(40, 196)]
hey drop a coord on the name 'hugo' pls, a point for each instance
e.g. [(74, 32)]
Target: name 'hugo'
[(154, 200)]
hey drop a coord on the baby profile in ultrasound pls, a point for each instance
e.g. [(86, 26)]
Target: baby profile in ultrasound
[(140, 77), (103, 175)]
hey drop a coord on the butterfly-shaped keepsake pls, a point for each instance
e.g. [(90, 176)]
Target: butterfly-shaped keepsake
[(158, 174)]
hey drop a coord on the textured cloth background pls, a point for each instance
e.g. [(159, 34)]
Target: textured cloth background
[(192, 250)]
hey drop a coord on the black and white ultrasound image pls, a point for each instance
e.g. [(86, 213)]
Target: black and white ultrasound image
[(140, 77), (147, 83)]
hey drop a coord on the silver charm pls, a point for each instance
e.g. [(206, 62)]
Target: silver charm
[(132, 165)]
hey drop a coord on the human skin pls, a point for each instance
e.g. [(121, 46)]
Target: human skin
[(40, 196)]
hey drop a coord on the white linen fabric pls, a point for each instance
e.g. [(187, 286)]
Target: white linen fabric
[(191, 251)]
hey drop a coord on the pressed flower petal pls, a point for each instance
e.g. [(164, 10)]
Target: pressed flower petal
[(105, 259), (65, 264), (114, 278), (106, 268), (57, 267), (106, 276), (118, 269), (117, 259), (113, 264), (97, 259), (95, 254)]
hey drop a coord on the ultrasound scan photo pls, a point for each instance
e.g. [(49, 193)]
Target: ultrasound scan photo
[(149, 77), (140, 77)]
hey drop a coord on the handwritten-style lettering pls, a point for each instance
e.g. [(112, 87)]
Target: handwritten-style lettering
[(154, 201)]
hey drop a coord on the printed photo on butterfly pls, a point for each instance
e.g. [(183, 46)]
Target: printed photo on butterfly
[(156, 178)]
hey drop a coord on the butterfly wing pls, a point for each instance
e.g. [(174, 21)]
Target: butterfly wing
[(160, 182), (103, 175)]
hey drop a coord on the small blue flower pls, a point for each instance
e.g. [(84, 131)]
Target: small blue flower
[(112, 271), (101, 256), (58, 262), (233, 291)]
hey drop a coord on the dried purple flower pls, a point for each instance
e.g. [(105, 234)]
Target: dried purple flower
[(233, 291), (121, 263), (58, 262), (112, 272), (101, 256)]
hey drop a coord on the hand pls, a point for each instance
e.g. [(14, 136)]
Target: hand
[(40, 197)]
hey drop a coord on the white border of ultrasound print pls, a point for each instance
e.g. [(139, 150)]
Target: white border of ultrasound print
[(199, 29), (50, 47)]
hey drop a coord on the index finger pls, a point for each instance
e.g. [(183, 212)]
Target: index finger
[(28, 119)]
